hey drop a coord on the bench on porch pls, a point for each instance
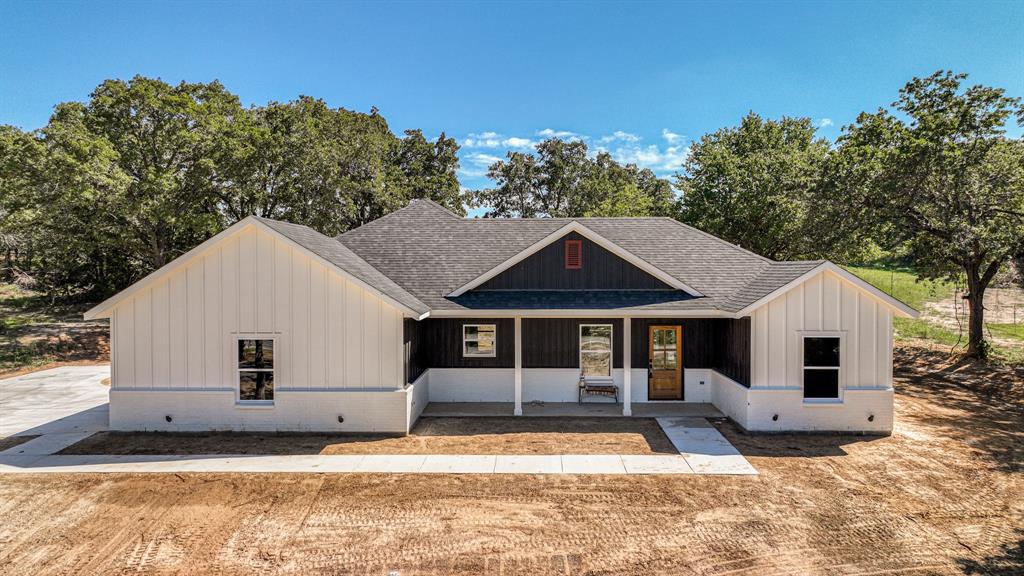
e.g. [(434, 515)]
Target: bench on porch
[(602, 387)]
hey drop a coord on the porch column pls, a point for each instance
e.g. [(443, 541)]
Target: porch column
[(519, 367), (627, 363)]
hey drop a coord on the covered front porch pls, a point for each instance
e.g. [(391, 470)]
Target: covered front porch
[(502, 364)]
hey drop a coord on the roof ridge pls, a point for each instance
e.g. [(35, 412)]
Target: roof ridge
[(433, 203), (717, 239), (427, 201)]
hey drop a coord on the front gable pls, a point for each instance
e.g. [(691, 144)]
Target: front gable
[(557, 266), (599, 264)]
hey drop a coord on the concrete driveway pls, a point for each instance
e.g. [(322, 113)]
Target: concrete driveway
[(64, 400)]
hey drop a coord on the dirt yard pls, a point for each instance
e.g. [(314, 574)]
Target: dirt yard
[(36, 333), (943, 495), (430, 436)]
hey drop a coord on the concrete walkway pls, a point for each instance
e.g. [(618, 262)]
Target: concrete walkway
[(371, 463), (702, 450), (68, 404), (63, 400)]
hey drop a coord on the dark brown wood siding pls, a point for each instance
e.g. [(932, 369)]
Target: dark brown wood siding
[(735, 360), (442, 343), (601, 270), (719, 343), (413, 350), (555, 342)]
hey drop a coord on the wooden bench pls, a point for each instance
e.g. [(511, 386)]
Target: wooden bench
[(597, 388)]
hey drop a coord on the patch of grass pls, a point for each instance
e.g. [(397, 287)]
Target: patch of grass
[(903, 285), (1010, 331)]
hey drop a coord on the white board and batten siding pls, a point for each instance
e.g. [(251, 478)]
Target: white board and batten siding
[(829, 305), (177, 335)]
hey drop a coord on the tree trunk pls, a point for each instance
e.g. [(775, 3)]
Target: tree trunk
[(976, 317)]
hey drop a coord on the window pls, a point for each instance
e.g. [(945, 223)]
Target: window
[(479, 340), (573, 254), (255, 370), (596, 350), (821, 367)]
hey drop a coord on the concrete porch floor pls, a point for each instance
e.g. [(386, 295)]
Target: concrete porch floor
[(641, 410)]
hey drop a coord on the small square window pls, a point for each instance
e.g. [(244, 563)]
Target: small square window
[(255, 364), (479, 340)]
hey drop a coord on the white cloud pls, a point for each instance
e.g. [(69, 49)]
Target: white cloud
[(621, 136), (549, 133), (825, 123), (475, 165), (514, 142), (661, 161), (671, 137), (495, 140)]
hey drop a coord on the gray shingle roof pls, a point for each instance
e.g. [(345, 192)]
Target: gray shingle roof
[(430, 252)]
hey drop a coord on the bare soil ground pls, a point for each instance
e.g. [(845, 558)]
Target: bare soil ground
[(430, 436), (36, 334), (943, 495), (1002, 306)]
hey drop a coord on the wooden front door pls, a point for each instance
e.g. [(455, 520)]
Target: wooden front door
[(665, 363)]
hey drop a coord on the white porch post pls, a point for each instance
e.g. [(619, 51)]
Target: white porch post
[(519, 367), (627, 363)]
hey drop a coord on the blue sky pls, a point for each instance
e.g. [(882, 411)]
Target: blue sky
[(641, 80)]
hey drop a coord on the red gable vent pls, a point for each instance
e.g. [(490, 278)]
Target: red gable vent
[(573, 254)]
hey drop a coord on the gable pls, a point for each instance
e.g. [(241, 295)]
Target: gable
[(323, 250), (849, 280), (596, 269)]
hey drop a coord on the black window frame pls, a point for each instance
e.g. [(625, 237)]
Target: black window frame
[(820, 369), (240, 339)]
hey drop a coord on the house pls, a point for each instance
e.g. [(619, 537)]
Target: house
[(273, 326)]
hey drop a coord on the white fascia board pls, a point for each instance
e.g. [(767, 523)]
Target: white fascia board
[(896, 305), (590, 235), (102, 310), (563, 313)]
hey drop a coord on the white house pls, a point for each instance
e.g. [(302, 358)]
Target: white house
[(272, 326)]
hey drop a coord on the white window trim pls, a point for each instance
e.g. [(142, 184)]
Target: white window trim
[(841, 334), (611, 350), (465, 351), (238, 370)]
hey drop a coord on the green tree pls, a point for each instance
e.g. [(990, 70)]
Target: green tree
[(113, 188), (939, 175), (563, 181), (164, 138), (751, 184)]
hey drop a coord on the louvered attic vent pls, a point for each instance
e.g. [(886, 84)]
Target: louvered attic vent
[(573, 254)]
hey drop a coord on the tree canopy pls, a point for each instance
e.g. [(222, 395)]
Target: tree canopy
[(752, 185), (938, 175), (115, 187), (562, 180)]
